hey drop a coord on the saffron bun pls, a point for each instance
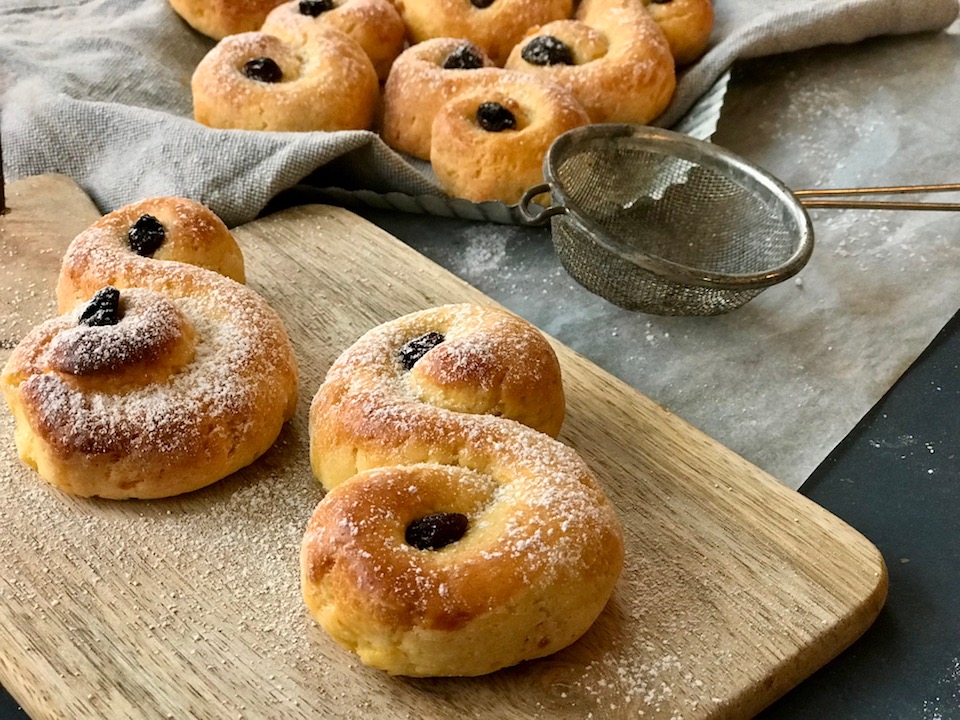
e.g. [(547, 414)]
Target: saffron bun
[(375, 25), (162, 375), (489, 363), (494, 25), (488, 143), (219, 18), (424, 78), (613, 57), (316, 79), (456, 538), (687, 25)]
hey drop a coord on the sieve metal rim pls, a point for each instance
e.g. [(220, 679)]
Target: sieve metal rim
[(659, 140)]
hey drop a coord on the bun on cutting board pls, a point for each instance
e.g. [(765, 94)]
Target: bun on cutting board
[(164, 373), (457, 537)]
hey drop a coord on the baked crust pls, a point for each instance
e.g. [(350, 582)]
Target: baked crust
[(419, 85), (495, 28), (687, 25), (491, 362), (479, 164), (327, 83), (194, 381), (543, 548), (375, 25), (219, 18), (623, 68)]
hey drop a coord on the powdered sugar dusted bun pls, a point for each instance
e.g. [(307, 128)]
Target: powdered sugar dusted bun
[(422, 80), (375, 25), (488, 143), (687, 25), (316, 80), (160, 377), (464, 362), (494, 25), (613, 57), (219, 18), (160, 243), (468, 541)]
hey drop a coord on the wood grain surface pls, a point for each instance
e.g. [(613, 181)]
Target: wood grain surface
[(735, 587)]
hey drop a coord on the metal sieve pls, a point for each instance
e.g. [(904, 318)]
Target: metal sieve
[(656, 221)]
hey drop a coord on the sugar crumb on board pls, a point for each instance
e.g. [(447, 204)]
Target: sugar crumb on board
[(196, 574), (195, 566)]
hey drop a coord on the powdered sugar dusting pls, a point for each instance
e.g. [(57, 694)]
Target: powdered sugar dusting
[(165, 417), (149, 325), (537, 520)]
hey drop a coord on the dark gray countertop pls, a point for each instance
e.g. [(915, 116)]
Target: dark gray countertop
[(895, 477)]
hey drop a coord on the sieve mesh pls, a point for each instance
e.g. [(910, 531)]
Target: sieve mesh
[(658, 222)]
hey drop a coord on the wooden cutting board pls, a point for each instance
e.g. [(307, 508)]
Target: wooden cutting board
[(735, 587)]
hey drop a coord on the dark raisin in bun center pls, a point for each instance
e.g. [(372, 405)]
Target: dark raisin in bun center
[(313, 8), (547, 50), (464, 57), (494, 117), (481, 4), (103, 308), (433, 532), (415, 349), (263, 69), (146, 235)]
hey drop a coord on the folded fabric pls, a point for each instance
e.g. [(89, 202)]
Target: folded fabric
[(100, 91)]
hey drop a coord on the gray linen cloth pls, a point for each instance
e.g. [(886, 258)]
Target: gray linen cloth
[(99, 90)]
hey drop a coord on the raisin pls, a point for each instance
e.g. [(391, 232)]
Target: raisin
[(103, 308), (494, 117), (547, 50), (465, 57), (263, 69), (146, 235), (418, 347), (481, 3), (660, 2), (433, 532), (313, 8)]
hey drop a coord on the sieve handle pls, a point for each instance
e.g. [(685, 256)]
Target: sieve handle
[(824, 198), (538, 218)]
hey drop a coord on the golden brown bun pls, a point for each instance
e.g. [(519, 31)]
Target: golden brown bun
[(687, 25), (479, 164), (192, 234), (219, 18), (623, 69), (327, 83), (495, 28), (491, 362), (375, 25), (192, 381), (419, 85), (539, 548)]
